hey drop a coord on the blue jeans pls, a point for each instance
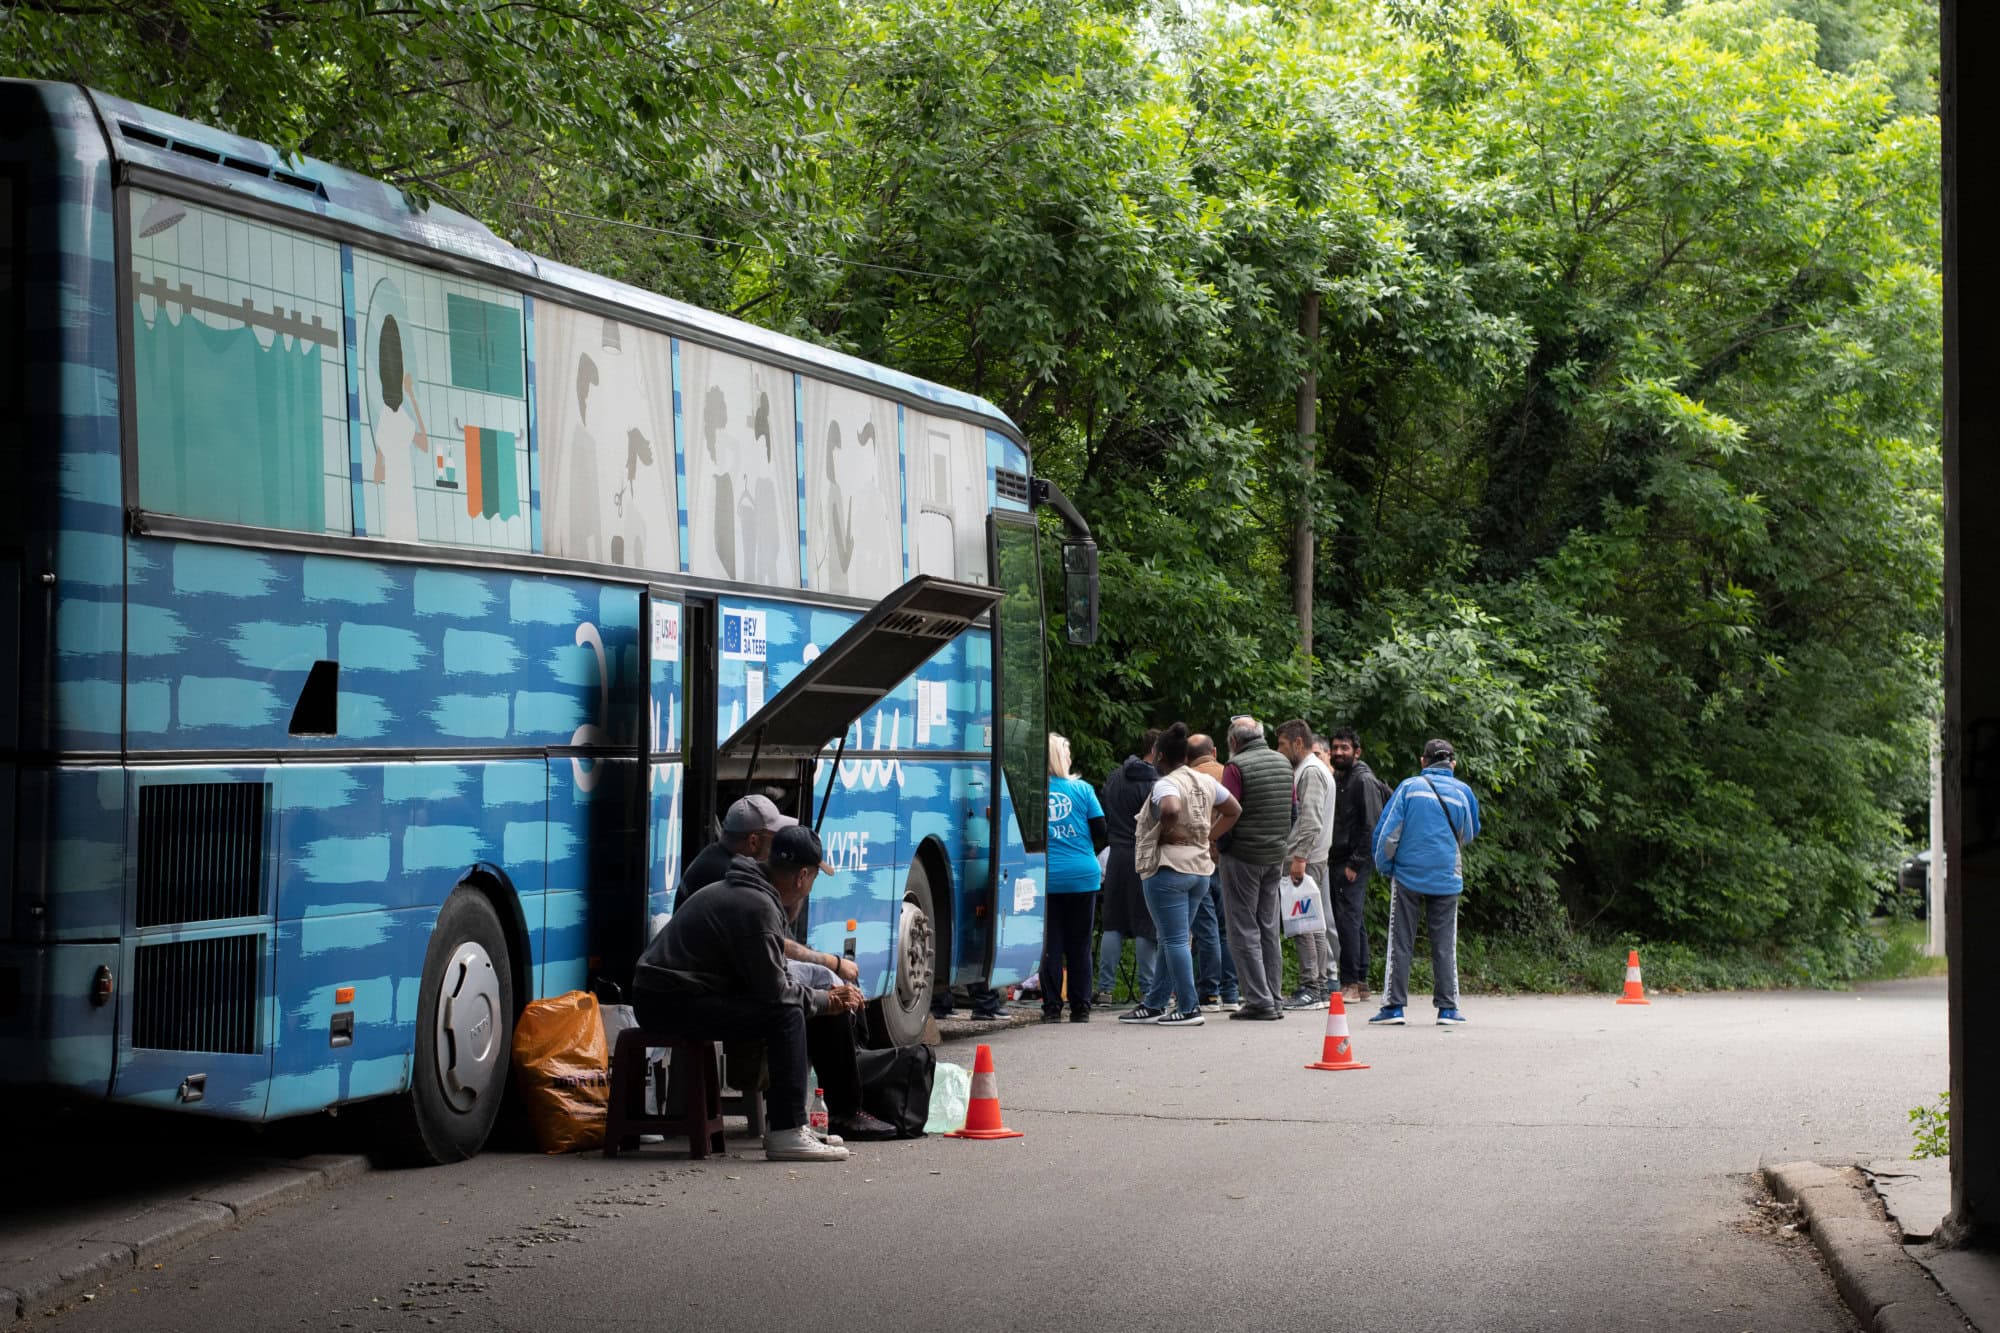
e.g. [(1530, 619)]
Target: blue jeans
[(1113, 949), (1171, 897), (1215, 970)]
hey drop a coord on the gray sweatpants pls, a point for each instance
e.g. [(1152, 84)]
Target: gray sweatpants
[(1256, 940), (1440, 913), (1319, 951)]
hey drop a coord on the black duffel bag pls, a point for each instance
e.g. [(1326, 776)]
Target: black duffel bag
[(896, 1086)]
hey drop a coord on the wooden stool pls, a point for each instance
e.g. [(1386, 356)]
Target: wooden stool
[(700, 1119)]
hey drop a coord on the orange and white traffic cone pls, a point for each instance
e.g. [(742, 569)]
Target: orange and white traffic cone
[(1338, 1050), (1635, 990), (982, 1114)]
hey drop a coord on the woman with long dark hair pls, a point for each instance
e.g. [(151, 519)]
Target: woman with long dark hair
[(1185, 811)]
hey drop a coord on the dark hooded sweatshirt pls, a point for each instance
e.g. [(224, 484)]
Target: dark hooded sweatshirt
[(728, 940), (1125, 791)]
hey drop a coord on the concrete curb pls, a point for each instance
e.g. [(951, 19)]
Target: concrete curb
[(1888, 1291), (116, 1248)]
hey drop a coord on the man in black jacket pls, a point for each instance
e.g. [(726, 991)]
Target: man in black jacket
[(718, 972), (1351, 863)]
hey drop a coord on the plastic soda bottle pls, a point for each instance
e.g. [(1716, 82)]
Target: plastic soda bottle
[(816, 1117)]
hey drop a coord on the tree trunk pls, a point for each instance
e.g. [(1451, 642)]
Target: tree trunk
[(1302, 534)]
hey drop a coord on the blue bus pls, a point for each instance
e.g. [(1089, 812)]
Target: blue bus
[(390, 612)]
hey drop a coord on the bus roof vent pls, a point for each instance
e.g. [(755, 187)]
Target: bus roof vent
[(201, 153)]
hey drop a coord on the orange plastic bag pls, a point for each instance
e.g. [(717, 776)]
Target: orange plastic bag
[(563, 1071)]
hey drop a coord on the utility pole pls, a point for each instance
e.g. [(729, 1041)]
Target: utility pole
[(1302, 534)]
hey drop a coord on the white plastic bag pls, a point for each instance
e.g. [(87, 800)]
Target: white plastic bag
[(1305, 912), (951, 1092)]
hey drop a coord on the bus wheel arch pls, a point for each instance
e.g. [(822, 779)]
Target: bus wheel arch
[(467, 1003), (498, 887), (923, 928)]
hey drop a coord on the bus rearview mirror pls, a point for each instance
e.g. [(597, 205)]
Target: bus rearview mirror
[(1080, 592)]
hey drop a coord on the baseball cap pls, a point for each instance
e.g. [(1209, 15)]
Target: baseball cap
[(798, 845), (1437, 751), (755, 814)]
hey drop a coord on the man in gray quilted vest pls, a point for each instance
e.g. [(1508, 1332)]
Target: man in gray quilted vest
[(1261, 780)]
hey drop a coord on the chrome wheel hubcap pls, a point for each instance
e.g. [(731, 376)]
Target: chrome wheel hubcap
[(916, 957), (468, 1027)]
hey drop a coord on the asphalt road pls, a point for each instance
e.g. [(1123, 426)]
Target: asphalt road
[(1557, 1164)]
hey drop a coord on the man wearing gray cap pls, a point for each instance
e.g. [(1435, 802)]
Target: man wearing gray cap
[(717, 971), (748, 829)]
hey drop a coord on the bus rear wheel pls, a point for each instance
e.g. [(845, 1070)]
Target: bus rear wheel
[(899, 1015), (465, 1028)]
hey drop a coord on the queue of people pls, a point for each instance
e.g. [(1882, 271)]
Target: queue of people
[(1193, 858), (1190, 857)]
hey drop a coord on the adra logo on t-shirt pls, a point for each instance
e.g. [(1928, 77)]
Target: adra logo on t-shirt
[(1059, 806)]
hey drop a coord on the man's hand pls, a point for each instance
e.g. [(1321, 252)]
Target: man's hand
[(1349, 872), (844, 999), (1298, 869), (846, 970)]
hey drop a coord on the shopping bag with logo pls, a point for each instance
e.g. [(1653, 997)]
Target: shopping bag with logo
[(563, 1070), (1305, 912)]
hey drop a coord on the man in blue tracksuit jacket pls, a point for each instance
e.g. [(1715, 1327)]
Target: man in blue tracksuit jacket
[(1419, 845)]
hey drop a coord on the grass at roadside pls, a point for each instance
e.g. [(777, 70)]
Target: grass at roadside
[(1888, 949)]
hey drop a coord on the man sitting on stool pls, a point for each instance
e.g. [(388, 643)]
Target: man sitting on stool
[(717, 972), (749, 827)]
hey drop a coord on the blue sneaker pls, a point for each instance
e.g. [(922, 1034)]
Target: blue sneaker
[(1391, 1015), (1450, 1016)]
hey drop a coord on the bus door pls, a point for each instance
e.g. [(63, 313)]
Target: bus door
[(1020, 750), (700, 663), (664, 728)]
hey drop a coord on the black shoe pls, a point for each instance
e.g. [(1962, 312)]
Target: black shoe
[(1143, 1014), (861, 1127), (995, 1017), (1052, 1016), (1251, 1012), (1080, 1016)]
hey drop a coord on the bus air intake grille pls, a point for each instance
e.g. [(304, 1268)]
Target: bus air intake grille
[(201, 852), (198, 995), (1010, 485)]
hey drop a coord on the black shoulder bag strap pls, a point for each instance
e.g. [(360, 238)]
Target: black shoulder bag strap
[(1449, 822)]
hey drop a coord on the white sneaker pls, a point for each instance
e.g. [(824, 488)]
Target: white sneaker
[(830, 1140), (799, 1145)]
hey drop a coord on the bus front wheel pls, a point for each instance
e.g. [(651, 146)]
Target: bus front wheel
[(900, 1014), (465, 1026)]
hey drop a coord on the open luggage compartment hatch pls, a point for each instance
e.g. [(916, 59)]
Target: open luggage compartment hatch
[(853, 673)]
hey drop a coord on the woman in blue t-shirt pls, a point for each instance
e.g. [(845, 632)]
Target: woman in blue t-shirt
[(1076, 835)]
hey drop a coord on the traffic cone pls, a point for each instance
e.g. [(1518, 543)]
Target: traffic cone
[(982, 1116), (1338, 1051), (1635, 991)]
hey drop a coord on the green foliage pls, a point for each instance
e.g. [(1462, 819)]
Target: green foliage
[(1627, 471), (1930, 1126)]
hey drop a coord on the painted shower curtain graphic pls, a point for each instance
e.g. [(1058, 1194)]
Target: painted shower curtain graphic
[(240, 370)]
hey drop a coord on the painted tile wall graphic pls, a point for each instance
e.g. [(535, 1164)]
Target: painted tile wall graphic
[(240, 375), (441, 364), (742, 469), (854, 519), (605, 397)]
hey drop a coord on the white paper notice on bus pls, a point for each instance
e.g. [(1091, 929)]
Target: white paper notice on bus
[(753, 684), (1024, 895), (743, 636), (666, 632)]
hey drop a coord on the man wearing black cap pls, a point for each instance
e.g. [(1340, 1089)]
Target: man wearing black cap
[(717, 971), (747, 830), (1419, 844)]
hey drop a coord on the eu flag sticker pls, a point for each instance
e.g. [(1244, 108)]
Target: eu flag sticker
[(743, 636)]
